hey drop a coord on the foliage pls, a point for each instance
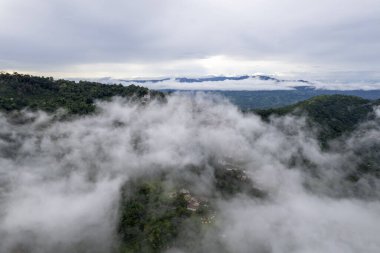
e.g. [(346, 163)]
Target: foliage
[(232, 181), (154, 218), (335, 115), (18, 91), (150, 219)]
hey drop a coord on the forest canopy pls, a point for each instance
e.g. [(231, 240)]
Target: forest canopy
[(19, 91)]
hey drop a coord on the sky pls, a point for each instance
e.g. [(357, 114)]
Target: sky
[(324, 39)]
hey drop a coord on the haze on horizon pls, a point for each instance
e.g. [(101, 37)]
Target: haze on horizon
[(326, 39)]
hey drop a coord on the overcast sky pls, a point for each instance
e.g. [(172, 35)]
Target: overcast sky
[(333, 39)]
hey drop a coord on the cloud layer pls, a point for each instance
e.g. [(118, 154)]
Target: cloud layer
[(60, 180), (126, 38)]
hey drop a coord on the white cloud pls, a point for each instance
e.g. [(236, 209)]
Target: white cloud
[(294, 36)]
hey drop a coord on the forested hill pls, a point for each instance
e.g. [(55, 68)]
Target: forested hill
[(18, 91), (334, 114)]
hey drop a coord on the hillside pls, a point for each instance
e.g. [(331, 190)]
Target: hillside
[(333, 114), (18, 91)]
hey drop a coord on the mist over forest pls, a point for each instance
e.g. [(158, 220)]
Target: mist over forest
[(190, 173)]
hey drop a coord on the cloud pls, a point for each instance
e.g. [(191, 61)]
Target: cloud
[(58, 36), (302, 223), (60, 180)]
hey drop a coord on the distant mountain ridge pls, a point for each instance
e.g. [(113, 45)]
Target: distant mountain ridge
[(144, 80), (215, 79), (246, 82)]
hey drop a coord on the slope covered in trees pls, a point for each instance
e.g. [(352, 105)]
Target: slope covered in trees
[(18, 91), (333, 114)]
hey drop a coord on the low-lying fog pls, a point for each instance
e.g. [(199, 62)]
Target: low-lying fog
[(60, 180)]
